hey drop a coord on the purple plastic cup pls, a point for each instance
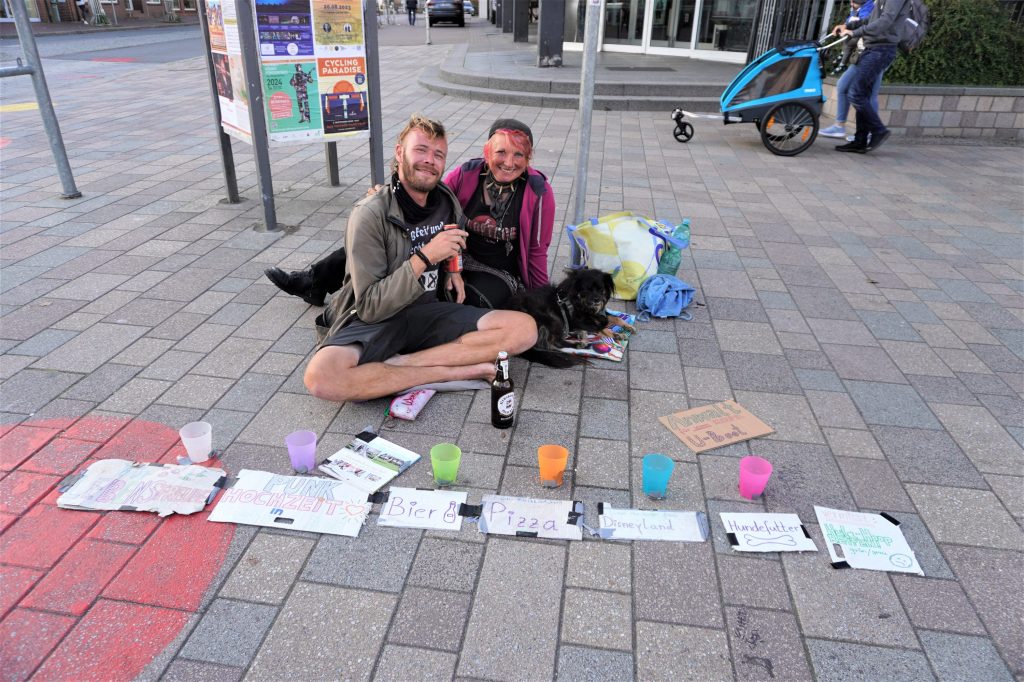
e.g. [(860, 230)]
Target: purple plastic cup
[(302, 450), (754, 475)]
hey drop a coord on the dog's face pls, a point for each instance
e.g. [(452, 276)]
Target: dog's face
[(587, 289)]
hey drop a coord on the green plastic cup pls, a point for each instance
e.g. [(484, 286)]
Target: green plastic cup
[(445, 458)]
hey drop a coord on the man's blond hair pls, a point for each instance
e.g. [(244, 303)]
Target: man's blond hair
[(428, 126)]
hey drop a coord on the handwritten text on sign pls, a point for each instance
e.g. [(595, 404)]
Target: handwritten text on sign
[(868, 541), (639, 524), (503, 515), (411, 508), (712, 426)]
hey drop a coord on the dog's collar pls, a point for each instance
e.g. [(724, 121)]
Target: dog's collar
[(565, 308)]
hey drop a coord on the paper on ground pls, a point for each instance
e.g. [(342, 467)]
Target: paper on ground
[(868, 541), (640, 524), (119, 484), (502, 515), (368, 462), (767, 533), (431, 509), (320, 505), (713, 426)]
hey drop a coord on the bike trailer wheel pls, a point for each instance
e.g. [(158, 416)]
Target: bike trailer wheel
[(789, 128), (683, 132)]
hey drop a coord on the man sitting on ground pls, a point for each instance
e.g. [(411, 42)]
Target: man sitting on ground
[(388, 330)]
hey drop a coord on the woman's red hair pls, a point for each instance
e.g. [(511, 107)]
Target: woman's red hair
[(515, 137)]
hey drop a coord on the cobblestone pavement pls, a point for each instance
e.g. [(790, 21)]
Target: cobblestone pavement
[(868, 308)]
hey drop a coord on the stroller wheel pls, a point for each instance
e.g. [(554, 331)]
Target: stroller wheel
[(789, 128), (683, 132)]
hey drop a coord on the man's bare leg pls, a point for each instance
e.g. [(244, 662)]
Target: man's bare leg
[(334, 374), (498, 330)]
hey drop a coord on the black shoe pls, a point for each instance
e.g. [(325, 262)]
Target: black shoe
[(298, 283), (877, 141), (853, 147)]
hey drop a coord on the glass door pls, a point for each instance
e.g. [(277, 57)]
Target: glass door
[(672, 23), (624, 22)]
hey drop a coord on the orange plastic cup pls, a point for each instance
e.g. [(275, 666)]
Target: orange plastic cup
[(552, 460)]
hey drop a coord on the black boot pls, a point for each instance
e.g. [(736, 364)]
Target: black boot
[(298, 283)]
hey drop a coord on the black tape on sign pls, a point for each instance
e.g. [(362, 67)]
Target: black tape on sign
[(576, 514), (379, 497), (66, 484), (221, 482), (526, 533), (600, 508), (840, 564), (890, 519), (804, 529), (366, 436), (470, 510), (731, 537)]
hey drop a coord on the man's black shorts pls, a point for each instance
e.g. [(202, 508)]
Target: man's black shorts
[(418, 327)]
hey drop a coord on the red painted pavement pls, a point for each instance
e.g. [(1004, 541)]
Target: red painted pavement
[(125, 582)]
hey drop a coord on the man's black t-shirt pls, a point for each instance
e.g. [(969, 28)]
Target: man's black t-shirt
[(422, 223)]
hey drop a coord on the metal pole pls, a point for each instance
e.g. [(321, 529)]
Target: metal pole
[(586, 109), (50, 123), (331, 152), (426, 17), (373, 92), (257, 114), (227, 156)]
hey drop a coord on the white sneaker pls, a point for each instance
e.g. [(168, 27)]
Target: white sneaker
[(833, 131)]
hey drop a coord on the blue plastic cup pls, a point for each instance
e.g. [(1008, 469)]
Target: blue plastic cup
[(657, 471)]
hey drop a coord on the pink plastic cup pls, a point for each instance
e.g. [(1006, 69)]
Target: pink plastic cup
[(754, 475), (302, 450)]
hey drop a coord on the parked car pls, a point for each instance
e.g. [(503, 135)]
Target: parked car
[(451, 11), (470, 8)]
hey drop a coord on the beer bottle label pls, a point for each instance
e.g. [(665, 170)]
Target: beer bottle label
[(507, 404)]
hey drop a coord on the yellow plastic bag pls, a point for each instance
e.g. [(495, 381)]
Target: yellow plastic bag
[(622, 244)]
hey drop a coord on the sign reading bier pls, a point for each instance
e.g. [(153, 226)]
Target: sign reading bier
[(712, 426)]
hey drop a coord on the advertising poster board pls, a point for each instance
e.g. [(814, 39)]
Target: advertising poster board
[(232, 92)]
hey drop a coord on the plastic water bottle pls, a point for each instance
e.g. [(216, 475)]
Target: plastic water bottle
[(670, 260)]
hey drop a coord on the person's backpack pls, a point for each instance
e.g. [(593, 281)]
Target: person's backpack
[(664, 296), (914, 27)]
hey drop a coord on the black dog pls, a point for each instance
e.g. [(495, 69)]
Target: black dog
[(575, 305)]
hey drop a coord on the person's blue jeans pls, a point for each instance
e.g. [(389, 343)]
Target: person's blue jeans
[(843, 92), (412, 17), (870, 68)]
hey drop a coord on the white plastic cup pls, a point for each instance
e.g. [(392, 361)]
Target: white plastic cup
[(198, 440)]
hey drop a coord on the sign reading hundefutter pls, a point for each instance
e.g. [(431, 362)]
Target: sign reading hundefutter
[(712, 426)]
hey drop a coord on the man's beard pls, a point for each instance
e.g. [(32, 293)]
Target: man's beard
[(411, 181)]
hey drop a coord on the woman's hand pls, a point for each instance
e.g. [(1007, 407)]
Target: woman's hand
[(455, 282)]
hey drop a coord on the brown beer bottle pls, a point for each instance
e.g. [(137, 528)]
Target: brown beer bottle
[(503, 398)]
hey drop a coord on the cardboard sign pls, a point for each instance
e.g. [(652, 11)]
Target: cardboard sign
[(639, 524), (119, 484), (368, 462), (767, 533), (525, 517), (871, 541), (320, 505), (712, 426), (431, 509)]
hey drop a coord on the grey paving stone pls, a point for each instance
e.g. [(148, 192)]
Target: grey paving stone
[(171, 366), (834, 409), (442, 417), (842, 661), (789, 415), (752, 581), (937, 604), (30, 389), (1008, 411), (90, 349), (874, 485), (648, 435), (44, 342), (916, 358), (760, 372), (600, 566), (697, 352), (32, 318), (232, 358), (739, 309), (845, 332), (602, 463), (196, 391), (177, 326), (517, 481), (678, 652), (268, 568), (746, 337), (808, 359), (936, 389), (963, 658), (512, 633), (378, 559), (227, 425), (135, 396), (983, 383), (290, 652), (819, 380), (998, 358), (891, 405), (446, 565), (430, 618), (991, 578), (580, 664), (193, 671), (766, 645), (604, 383), (654, 371), (594, 618), (946, 463), (676, 583), (1008, 489), (355, 418), (707, 384), (534, 429), (204, 338), (250, 393), (229, 633), (863, 363), (982, 439), (966, 517), (853, 443), (850, 605), (553, 390), (142, 352), (654, 341), (285, 413), (822, 302), (602, 418), (399, 664)]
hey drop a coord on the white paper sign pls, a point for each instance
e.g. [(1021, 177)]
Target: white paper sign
[(766, 533), (528, 517), (119, 484), (639, 524), (868, 541), (320, 505), (432, 509)]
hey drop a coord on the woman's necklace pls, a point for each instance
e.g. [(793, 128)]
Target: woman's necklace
[(500, 196)]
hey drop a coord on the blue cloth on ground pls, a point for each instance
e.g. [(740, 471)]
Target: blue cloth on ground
[(664, 296)]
